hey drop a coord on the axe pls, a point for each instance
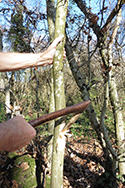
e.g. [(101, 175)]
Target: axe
[(77, 109)]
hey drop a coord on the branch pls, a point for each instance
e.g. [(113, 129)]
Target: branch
[(112, 15), (102, 126), (96, 28), (90, 16)]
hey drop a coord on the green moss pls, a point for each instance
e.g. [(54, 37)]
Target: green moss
[(48, 181), (25, 178), (12, 154)]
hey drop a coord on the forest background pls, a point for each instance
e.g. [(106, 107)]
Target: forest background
[(94, 69)]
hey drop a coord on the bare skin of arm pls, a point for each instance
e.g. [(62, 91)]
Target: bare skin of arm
[(16, 132), (15, 61)]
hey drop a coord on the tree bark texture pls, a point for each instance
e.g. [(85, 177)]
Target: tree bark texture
[(117, 110), (59, 94)]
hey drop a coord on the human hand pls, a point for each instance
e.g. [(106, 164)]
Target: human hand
[(15, 134), (46, 58)]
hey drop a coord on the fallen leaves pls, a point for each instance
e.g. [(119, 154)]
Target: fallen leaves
[(82, 163)]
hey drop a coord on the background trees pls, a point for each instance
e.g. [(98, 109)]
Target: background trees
[(95, 54)]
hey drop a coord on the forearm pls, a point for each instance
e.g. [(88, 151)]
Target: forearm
[(15, 61)]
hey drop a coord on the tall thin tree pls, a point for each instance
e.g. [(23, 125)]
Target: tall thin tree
[(59, 94)]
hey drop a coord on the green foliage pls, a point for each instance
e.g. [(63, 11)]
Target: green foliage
[(48, 181), (82, 128), (109, 122), (19, 35), (28, 118)]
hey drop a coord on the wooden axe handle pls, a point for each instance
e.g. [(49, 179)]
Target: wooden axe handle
[(77, 108)]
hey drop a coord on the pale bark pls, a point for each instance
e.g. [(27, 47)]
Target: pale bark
[(59, 93), (51, 24), (119, 124), (103, 128)]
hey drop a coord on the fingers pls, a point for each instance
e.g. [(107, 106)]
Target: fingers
[(57, 40), (46, 58)]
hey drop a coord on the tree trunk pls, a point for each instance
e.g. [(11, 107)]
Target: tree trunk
[(59, 93), (51, 25), (119, 124), (99, 128), (117, 110), (84, 92)]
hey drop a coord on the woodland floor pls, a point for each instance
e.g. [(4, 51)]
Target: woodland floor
[(83, 166)]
